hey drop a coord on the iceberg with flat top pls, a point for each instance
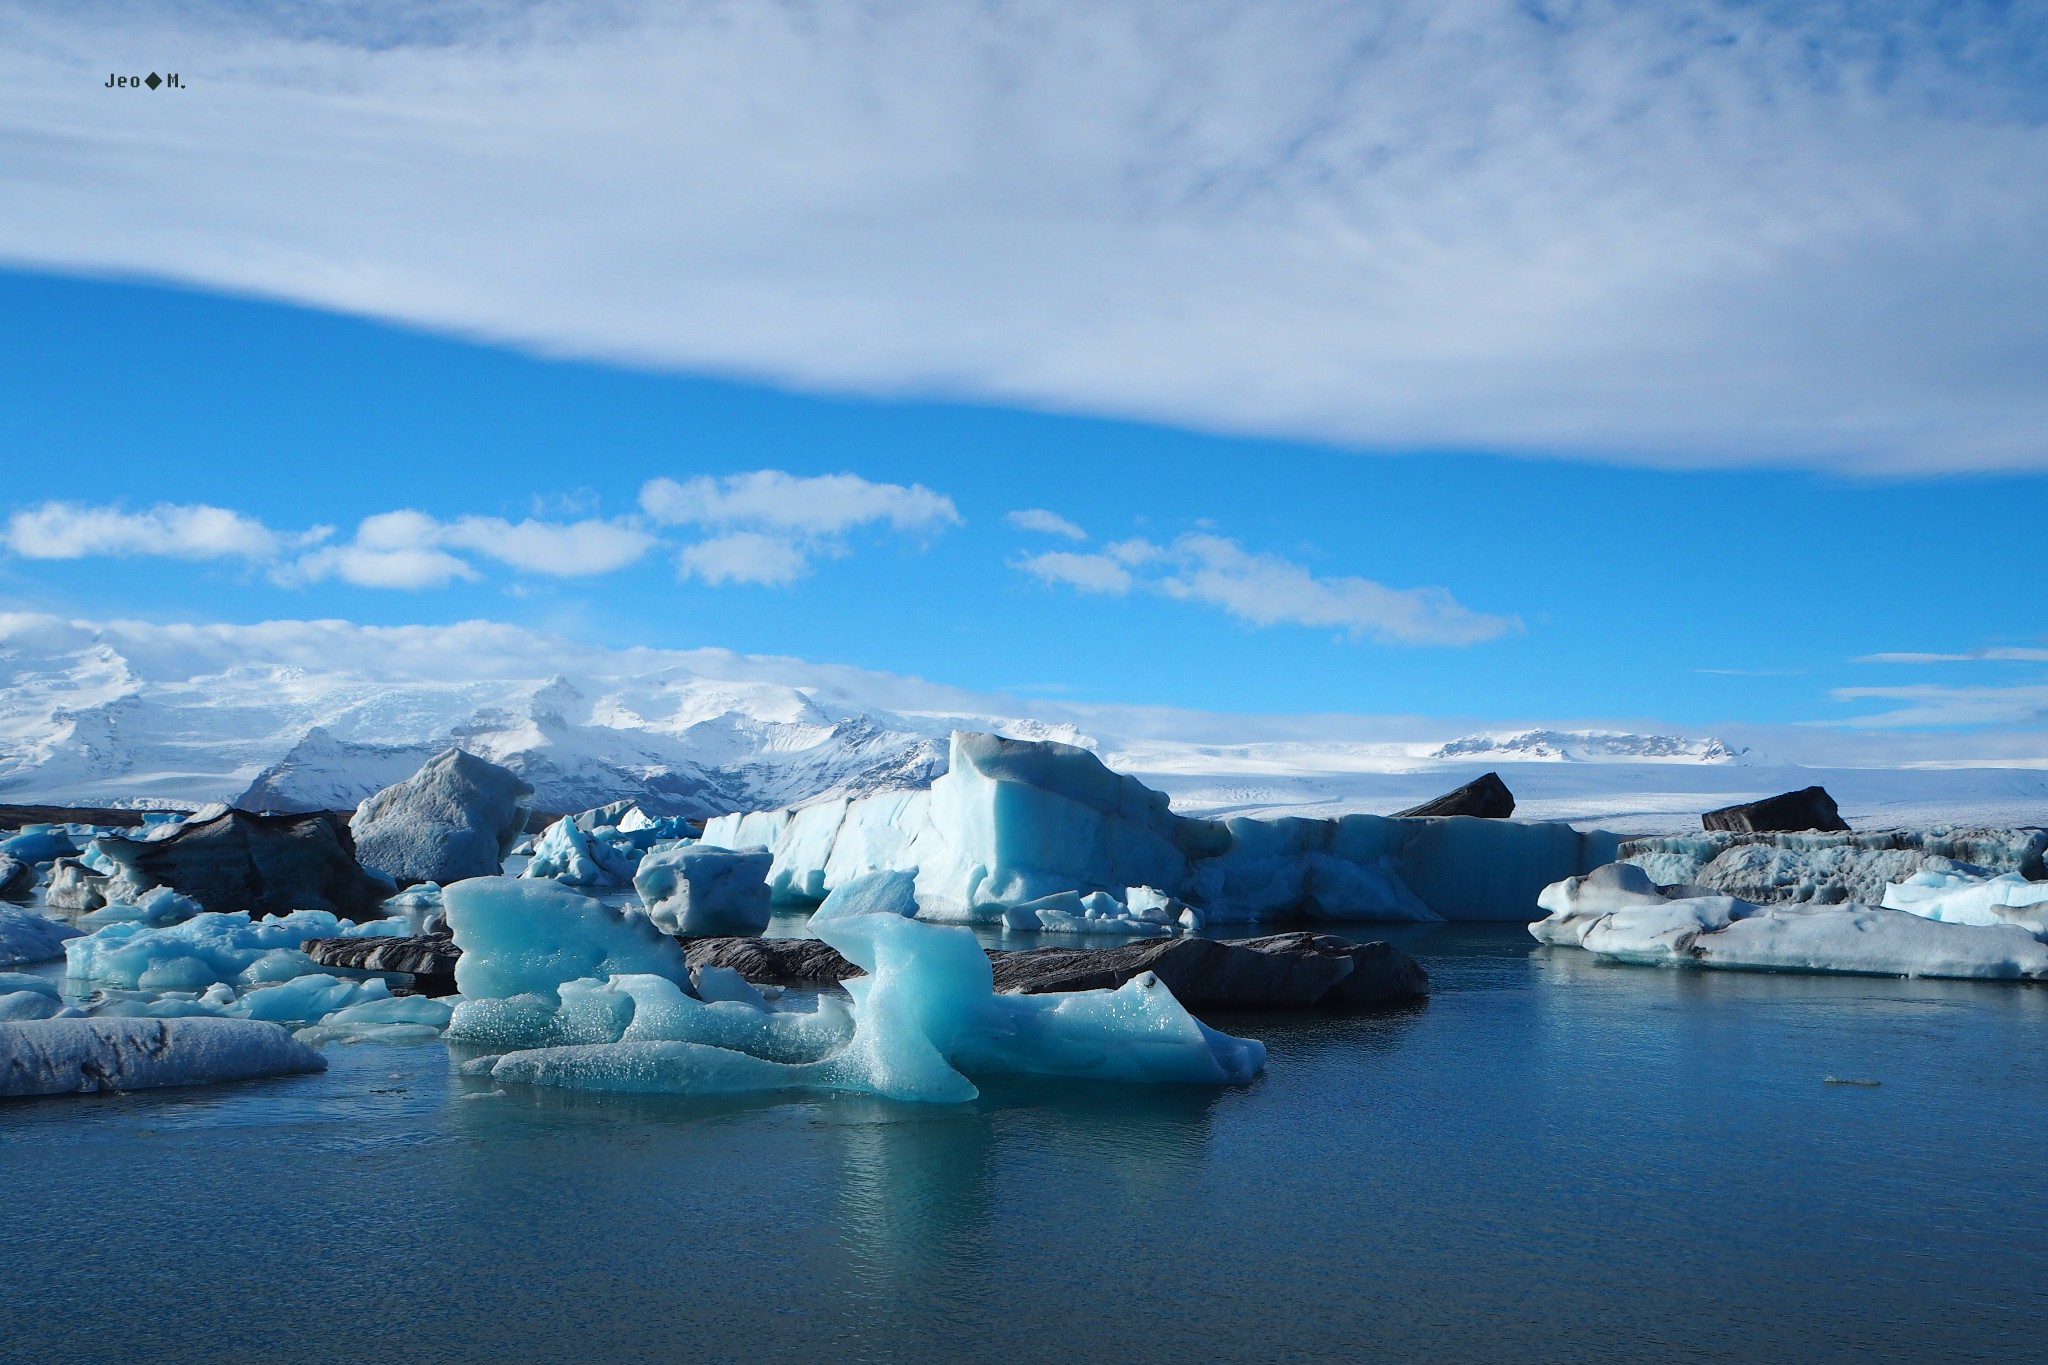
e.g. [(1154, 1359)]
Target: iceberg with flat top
[(1618, 912), (922, 1020), (1013, 823)]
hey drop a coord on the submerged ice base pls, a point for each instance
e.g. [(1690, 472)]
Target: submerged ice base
[(924, 1018)]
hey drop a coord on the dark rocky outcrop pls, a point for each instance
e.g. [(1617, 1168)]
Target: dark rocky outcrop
[(1278, 971), (1299, 970), (772, 961), (1809, 808), (259, 864), (14, 817), (430, 958), (1486, 797)]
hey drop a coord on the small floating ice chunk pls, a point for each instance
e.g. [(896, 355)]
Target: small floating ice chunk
[(27, 937), (1949, 892), (66, 1056), (568, 853), (222, 945), (690, 889), (27, 1005)]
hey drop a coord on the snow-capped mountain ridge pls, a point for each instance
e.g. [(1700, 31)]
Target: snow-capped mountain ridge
[(81, 725)]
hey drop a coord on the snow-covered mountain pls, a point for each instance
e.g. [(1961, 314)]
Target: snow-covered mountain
[(84, 721), (319, 714)]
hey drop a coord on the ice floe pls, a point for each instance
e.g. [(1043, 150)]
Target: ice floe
[(1618, 912), (67, 1056)]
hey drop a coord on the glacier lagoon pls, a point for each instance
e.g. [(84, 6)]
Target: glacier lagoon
[(1556, 1157)]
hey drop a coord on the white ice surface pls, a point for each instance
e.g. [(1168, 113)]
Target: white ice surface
[(1956, 896), (1617, 912)]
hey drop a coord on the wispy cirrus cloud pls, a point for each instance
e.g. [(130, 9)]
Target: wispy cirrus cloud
[(1048, 523), (2002, 653), (1690, 232), (1268, 590)]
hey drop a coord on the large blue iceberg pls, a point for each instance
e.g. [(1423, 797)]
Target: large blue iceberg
[(1015, 822), (606, 993)]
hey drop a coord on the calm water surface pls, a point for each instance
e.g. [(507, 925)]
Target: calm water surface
[(1555, 1159)]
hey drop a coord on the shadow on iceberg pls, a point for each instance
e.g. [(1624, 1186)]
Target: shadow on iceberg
[(594, 999)]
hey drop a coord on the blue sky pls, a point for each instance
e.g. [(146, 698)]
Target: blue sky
[(1690, 597), (1596, 362)]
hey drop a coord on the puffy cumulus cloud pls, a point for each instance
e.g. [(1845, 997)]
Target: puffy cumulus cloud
[(1050, 523), (399, 549), (1089, 573), (71, 530), (409, 549), (390, 550), (1691, 232), (1266, 590), (825, 505), (773, 524), (574, 549), (744, 557)]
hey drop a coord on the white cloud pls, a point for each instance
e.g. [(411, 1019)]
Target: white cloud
[(744, 557), (1089, 573), (70, 530), (400, 549), (1050, 523), (1687, 232), (390, 550), (775, 523), (1929, 705), (825, 505), (2019, 653), (1266, 590), (566, 550)]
